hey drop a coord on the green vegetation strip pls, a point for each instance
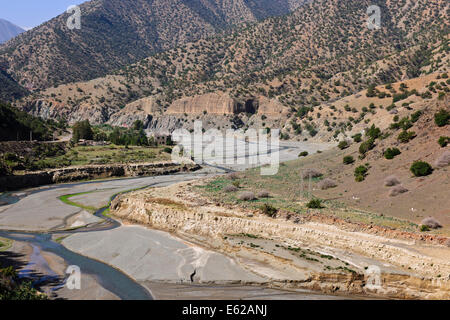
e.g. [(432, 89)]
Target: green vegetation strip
[(106, 211), (66, 200), (5, 244)]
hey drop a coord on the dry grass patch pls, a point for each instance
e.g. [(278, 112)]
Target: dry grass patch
[(443, 160), (397, 190), (431, 222), (391, 181)]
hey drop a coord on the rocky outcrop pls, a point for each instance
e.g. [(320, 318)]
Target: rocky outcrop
[(49, 109), (143, 109), (71, 174), (271, 107), (212, 103), (223, 104)]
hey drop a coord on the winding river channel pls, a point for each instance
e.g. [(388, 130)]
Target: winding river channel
[(35, 216)]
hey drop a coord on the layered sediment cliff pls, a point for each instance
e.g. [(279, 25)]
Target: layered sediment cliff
[(411, 272)]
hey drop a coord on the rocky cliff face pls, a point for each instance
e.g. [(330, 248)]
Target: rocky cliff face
[(223, 104), (212, 103), (51, 109)]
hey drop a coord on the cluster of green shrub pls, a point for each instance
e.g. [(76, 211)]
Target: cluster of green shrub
[(406, 136), (442, 118), (134, 136), (348, 160), (361, 173), (17, 125), (444, 141), (421, 169), (391, 153), (13, 288)]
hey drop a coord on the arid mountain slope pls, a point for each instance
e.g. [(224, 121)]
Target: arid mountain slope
[(294, 66), (8, 30), (115, 33)]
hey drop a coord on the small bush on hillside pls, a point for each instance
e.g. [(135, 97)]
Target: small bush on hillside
[(247, 196), (395, 191), (303, 154), (361, 173), (421, 169), (367, 146), (314, 204), (373, 132), (348, 160), (233, 176), (311, 173), (357, 137), (343, 145), (416, 116), (442, 118), (444, 141), (236, 184), (424, 228), (167, 150), (391, 153), (406, 136), (443, 160), (269, 210), (263, 194), (230, 189), (391, 181), (327, 184), (431, 223)]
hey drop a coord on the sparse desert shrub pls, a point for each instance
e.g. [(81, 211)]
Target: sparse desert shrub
[(442, 118), (391, 181), (366, 146), (373, 132), (391, 153), (269, 210), (406, 136), (236, 184), (247, 196), (361, 173), (233, 176), (327, 184), (421, 169), (424, 228), (431, 223), (444, 141), (303, 154), (263, 194), (357, 137), (348, 160), (230, 189), (314, 204), (343, 145), (311, 173), (443, 160), (395, 191)]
